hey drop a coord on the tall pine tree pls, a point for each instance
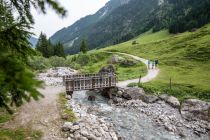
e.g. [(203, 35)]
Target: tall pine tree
[(59, 50), (83, 47), (44, 46)]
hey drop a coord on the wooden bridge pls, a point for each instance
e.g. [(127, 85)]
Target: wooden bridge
[(89, 81)]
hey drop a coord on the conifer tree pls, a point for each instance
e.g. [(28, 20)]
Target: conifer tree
[(59, 50), (17, 82), (45, 46), (83, 47)]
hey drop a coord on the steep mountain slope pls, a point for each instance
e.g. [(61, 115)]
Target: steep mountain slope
[(70, 34), (131, 18)]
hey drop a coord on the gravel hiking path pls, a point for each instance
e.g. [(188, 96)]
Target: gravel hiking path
[(151, 74), (41, 115)]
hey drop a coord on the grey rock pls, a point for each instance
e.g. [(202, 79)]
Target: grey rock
[(81, 138), (91, 137), (174, 102), (163, 97), (84, 133), (149, 98), (117, 100), (107, 69), (114, 136), (91, 98), (119, 93), (76, 123), (67, 126), (133, 93), (171, 100), (115, 59), (75, 127), (193, 109), (110, 102)]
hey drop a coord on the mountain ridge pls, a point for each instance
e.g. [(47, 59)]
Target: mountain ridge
[(131, 18)]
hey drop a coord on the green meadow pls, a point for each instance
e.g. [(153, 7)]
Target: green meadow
[(184, 58)]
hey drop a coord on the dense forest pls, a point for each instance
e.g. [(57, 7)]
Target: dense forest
[(47, 49), (134, 18)]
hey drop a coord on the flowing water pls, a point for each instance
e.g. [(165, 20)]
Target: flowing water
[(130, 124)]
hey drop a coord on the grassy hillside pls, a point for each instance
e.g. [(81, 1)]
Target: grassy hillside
[(93, 61), (185, 58)]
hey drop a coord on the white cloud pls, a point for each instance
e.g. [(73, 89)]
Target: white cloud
[(51, 22)]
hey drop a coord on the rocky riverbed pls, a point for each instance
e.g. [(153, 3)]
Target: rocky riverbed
[(89, 126), (133, 115), (54, 76)]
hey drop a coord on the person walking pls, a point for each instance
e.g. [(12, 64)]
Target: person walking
[(156, 63), (153, 64), (148, 64)]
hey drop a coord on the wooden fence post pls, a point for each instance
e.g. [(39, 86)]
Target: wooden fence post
[(140, 79), (170, 82)]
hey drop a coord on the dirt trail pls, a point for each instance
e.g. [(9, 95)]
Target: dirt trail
[(152, 73), (41, 115)]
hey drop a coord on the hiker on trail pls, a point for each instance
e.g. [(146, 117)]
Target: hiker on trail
[(149, 64), (153, 65), (156, 63)]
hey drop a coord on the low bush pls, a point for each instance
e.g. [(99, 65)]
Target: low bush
[(39, 63), (56, 61)]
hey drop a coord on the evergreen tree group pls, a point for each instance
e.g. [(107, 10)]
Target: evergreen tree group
[(83, 47), (48, 49)]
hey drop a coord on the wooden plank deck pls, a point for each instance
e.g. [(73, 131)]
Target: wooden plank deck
[(89, 81)]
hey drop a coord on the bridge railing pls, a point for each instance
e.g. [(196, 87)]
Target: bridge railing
[(89, 81)]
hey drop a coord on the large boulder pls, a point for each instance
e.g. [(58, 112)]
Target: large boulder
[(171, 100), (107, 69), (193, 109), (115, 59), (128, 62), (174, 102), (133, 93), (149, 98)]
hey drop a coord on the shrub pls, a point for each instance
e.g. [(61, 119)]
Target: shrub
[(134, 42), (56, 61), (83, 59), (39, 63)]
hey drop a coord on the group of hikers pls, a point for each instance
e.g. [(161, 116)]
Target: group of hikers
[(152, 64)]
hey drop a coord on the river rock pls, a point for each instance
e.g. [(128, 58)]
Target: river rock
[(92, 137), (67, 126), (163, 97), (75, 127), (117, 100), (114, 136), (171, 100), (149, 98), (133, 93), (119, 93), (193, 109), (174, 102), (91, 98)]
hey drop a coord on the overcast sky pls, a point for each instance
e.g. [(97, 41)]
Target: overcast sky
[(50, 23)]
